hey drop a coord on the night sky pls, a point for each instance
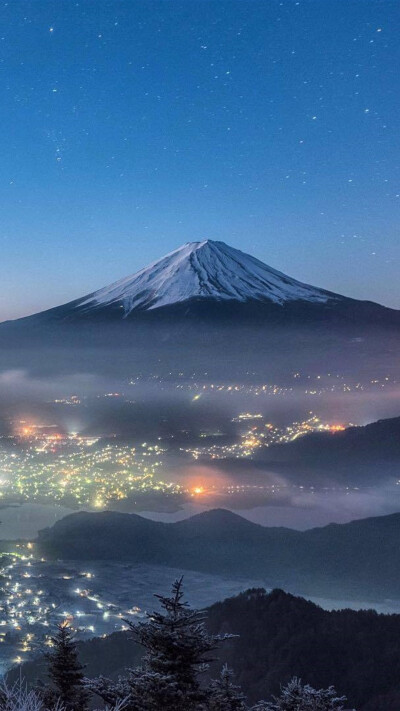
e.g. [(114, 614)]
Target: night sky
[(128, 128)]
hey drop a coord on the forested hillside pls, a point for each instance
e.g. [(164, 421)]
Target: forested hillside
[(280, 636)]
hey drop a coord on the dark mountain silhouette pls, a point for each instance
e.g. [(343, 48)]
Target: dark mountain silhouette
[(279, 636), (359, 560), (366, 455)]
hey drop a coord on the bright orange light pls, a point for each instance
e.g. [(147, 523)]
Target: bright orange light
[(198, 490), (337, 428), (25, 430)]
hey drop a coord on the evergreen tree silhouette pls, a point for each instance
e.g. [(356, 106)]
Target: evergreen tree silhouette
[(66, 672)]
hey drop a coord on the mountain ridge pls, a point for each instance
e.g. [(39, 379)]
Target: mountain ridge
[(356, 455), (359, 559)]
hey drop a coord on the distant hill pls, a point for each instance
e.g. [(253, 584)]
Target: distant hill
[(280, 636), (359, 560), (367, 454)]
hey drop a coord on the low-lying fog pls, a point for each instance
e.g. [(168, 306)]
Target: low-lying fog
[(188, 412), (303, 511)]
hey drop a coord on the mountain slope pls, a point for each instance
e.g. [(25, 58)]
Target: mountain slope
[(207, 277), (277, 636), (203, 270), (357, 560), (356, 455), (206, 308)]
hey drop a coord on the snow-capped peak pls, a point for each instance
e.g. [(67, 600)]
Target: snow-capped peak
[(197, 270)]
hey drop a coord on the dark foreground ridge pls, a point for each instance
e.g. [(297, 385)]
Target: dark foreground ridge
[(280, 636), (358, 560)]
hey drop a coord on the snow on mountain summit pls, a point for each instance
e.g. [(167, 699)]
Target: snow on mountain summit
[(197, 270)]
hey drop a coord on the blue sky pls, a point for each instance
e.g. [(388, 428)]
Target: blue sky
[(131, 127)]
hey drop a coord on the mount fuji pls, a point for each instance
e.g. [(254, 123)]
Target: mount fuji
[(202, 270), (204, 303), (210, 278)]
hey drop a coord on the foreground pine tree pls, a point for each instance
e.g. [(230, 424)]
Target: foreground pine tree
[(298, 697), (177, 651), (224, 694), (65, 672)]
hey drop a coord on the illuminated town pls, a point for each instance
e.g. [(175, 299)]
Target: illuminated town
[(306, 384), (35, 594), (40, 464), (53, 467), (257, 433)]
